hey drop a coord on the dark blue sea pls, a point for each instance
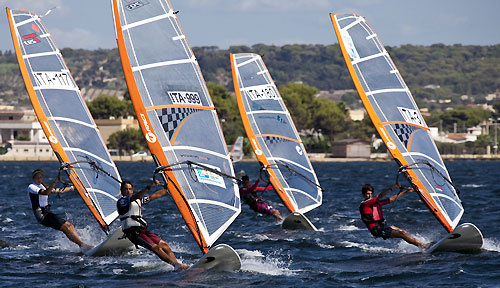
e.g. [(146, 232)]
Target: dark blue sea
[(341, 254)]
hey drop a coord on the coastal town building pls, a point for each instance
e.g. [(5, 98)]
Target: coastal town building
[(351, 148), (22, 137)]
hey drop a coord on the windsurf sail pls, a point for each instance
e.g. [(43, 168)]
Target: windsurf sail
[(273, 136), (236, 151), (177, 116), (64, 117), (396, 117)]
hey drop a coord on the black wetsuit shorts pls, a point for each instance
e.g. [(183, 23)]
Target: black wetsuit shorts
[(381, 230), (49, 219)]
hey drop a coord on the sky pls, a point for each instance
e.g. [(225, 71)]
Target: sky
[(88, 24)]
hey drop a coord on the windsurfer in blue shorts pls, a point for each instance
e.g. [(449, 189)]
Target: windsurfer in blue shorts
[(249, 195), (39, 197), (371, 214), (135, 227)]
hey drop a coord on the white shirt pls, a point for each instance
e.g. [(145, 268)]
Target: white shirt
[(43, 200)]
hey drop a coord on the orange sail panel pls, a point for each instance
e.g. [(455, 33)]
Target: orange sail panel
[(396, 117), (177, 116), (273, 136), (64, 117)]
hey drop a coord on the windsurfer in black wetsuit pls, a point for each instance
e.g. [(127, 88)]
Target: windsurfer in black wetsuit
[(371, 214), (135, 227), (249, 195), (39, 196)]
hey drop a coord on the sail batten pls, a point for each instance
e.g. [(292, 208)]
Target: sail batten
[(161, 64), (64, 118), (34, 55), (273, 135), (146, 21), (396, 117), (177, 116)]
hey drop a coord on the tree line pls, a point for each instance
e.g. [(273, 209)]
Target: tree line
[(301, 71), (458, 69)]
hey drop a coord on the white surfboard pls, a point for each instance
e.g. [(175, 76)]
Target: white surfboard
[(114, 244), (221, 258), (297, 220), (466, 238)]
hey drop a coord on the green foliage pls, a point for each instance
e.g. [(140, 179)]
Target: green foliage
[(22, 138), (496, 106), (308, 111), (8, 68), (104, 107), (317, 144), (463, 116), (127, 141), (227, 111), (457, 69)]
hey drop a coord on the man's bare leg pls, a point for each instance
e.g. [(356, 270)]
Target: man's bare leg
[(277, 214), (69, 230), (163, 251), (401, 233)]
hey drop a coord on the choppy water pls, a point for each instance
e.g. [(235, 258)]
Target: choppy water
[(342, 254)]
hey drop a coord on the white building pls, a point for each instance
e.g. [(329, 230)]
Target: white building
[(22, 135)]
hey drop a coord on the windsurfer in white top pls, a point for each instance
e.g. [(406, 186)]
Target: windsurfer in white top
[(39, 195), (134, 226)]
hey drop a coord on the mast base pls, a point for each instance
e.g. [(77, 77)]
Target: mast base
[(466, 238), (297, 221), (220, 258)]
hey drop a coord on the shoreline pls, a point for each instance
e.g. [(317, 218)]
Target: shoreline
[(312, 158)]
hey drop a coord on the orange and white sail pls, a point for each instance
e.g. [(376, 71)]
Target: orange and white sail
[(272, 133), (396, 117), (64, 117), (177, 116)]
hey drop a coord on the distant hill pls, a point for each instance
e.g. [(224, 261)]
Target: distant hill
[(448, 72)]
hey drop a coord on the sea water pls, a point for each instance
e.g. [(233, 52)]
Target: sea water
[(341, 254)]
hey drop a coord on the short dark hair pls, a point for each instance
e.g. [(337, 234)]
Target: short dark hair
[(245, 177), (366, 188), (37, 171), (124, 182)]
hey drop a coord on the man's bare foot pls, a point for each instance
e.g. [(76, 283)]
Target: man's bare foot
[(180, 266), (86, 247)]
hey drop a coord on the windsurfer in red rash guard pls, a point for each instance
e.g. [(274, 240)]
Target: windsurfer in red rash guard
[(371, 214), (249, 195)]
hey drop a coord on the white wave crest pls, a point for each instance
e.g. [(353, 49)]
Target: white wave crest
[(491, 244), (272, 264)]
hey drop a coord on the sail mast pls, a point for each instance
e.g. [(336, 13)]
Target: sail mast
[(177, 116), (47, 79), (395, 116), (272, 134)]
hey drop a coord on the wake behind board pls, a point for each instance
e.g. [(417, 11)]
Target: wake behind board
[(114, 244), (221, 258), (466, 238), (296, 221)]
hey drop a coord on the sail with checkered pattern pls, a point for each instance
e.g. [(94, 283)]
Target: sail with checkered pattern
[(273, 136), (177, 116), (394, 113), (64, 117)]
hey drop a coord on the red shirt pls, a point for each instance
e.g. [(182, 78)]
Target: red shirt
[(249, 189), (247, 193), (372, 209)]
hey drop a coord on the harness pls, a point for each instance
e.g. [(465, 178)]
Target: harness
[(368, 218), (131, 213)]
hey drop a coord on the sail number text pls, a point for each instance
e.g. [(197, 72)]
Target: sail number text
[(181, 97), (411, 115), (261, 92), (53, 79)]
